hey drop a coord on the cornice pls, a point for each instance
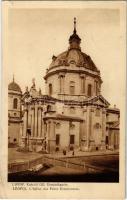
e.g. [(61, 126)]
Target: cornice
[(72, 71)]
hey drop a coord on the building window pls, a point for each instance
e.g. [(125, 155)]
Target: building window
[(106, 141), (72, 87), (96, 87), (89, 92), (97, 126), (72, 110), (57, 139), (72, 139), (83, 84), (49, 108), (50, 89), (61, 78), (97, 112), (58, 125), (72, 126), (15, 103)]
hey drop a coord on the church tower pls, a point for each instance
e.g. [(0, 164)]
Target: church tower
[(14, 112)]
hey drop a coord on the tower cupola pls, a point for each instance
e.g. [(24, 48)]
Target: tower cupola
[(74, 39)]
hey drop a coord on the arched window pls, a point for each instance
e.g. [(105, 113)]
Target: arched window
[(58, 125), (83, 84), (49, 108), (15, 103), (89, 92), (50, 89), (72, 110), (72, 87)]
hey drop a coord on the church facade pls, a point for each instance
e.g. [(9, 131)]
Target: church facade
[(72, 115)]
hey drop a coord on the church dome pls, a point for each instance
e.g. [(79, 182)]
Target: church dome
[(74, 55), (14, 86)]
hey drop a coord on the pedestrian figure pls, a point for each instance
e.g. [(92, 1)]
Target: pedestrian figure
[(73, 153), (64, 152)]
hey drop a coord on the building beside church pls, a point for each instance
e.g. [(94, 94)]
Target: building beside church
[(72, 114), (14, 113)]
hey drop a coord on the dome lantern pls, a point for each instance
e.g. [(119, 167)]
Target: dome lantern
[(74, 39)]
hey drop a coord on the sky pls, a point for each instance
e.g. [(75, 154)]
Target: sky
[(35, 35)]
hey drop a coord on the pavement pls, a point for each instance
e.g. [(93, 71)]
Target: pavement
[(15, 156), (78, 153), (58, 170)]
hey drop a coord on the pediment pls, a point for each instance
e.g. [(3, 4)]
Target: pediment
[(100, 100)]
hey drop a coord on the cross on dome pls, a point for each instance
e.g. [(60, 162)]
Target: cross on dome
[(74, 25)]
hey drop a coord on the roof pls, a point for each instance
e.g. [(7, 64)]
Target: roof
[(74, 56), (113, 110), (14, 86)]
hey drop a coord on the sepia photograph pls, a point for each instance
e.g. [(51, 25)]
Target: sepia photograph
[(65, 81)]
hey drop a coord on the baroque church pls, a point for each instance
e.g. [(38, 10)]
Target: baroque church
[(72, 115)]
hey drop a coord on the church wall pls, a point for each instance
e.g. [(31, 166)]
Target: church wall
[(72, 77), (13, 132), (65, 85), (113, 139), (77, 111), (64, 134), (112, 117), (76, 132), (55, 85), (89, 80), (97, 131)]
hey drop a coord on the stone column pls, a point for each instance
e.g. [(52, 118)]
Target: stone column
[(87, 127), (83, 136), (60, 85), (48, 136), (95, 87), (32, 123), (103, 146), (51, 136), (36, 120), (54, 125), (39, 122), (25, 122), (25, 125), (42, 128), (91, 131), (82, 85), (63, 82)]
